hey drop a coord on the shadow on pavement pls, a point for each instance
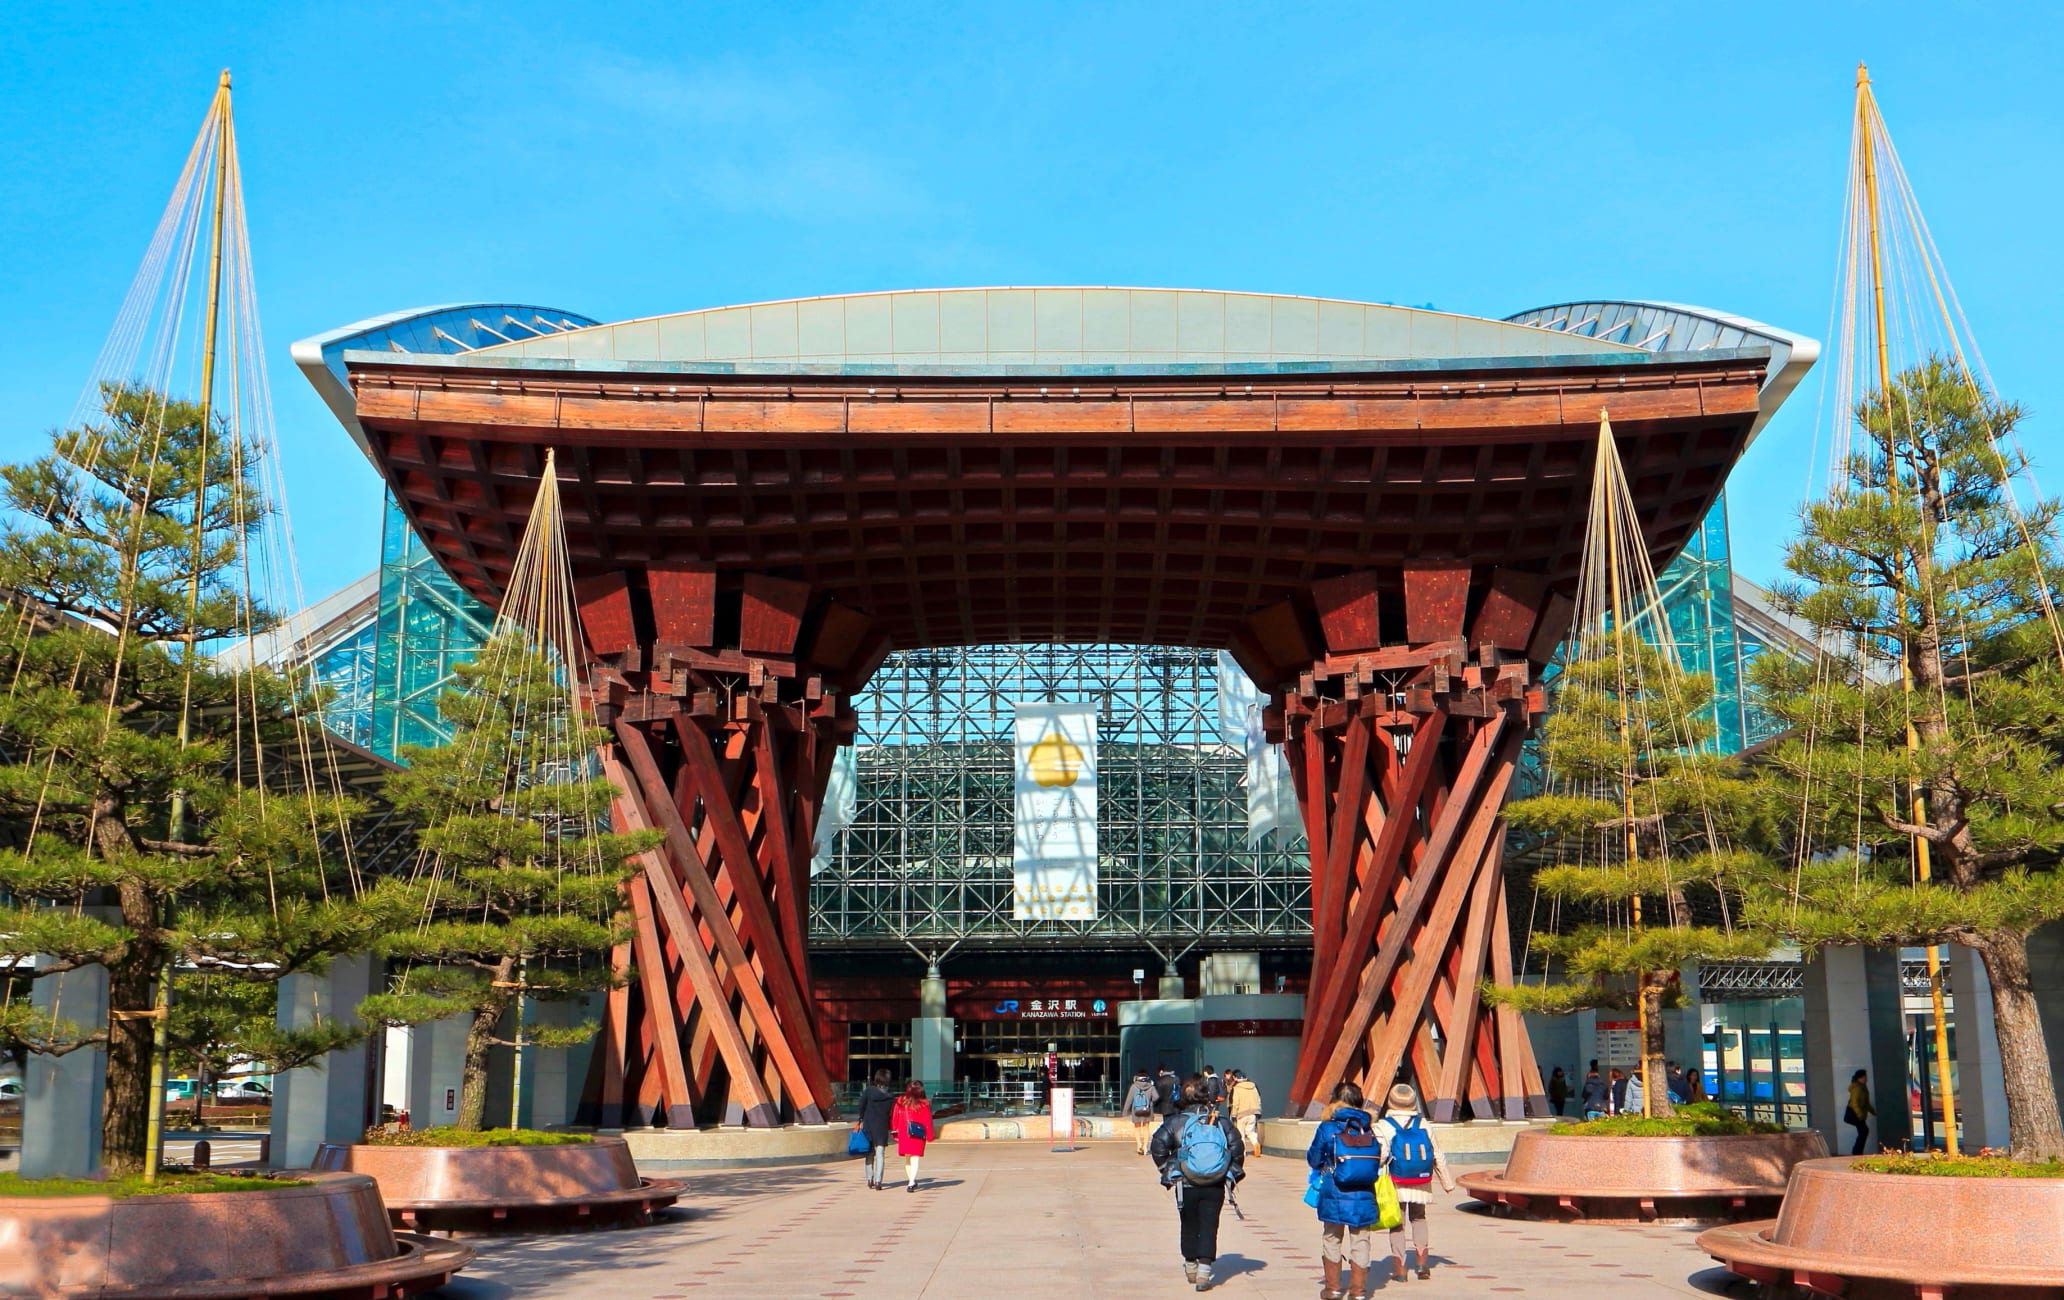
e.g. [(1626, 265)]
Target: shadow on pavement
[(1231, 1266)]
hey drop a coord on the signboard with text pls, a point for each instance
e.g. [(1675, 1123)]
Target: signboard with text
[(1061, 1120)]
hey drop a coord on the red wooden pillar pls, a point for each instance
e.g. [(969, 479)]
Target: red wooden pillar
[(723, 743), (1402, 713)]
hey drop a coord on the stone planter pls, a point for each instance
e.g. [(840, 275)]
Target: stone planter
[(329, 1240), (525, 1189), (1644, 1179), (1876, 1236)]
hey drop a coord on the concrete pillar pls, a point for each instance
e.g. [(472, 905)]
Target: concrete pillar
[(2046, 976), (1854, 1021), (437, 1066), (1981, 1088), (1557, 1041), (63, 1095), (931, 1034), (552, 1076), (337, 1098)]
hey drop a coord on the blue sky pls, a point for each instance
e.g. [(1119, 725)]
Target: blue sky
[(626, 160)]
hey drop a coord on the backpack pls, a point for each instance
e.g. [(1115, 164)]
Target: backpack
[(1411, 1151), (1202, 1153), (1356, 1162), (1166, 1088), (1143, 1094)]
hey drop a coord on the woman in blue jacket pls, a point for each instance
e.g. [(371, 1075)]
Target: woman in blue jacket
[(1345, 1214)]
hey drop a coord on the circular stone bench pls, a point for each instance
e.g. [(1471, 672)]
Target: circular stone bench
[(534, 1189), (1644, 1179), (327, 1240), (1866, 1236)]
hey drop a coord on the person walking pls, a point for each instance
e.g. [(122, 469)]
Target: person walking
[(1617, 1094), (1595, 1097), (1167, 1093), (876, 1101), (1198, 1153), (1558, 1090), (912, 1122), (1414, 1160), (1631, 1102), (1859, 1110), (1139, 1104), (1246, 1108), (1346, 1162), (1214, 1087)]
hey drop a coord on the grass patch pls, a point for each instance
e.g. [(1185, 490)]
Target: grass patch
[(168, 1184), (1943, 1166), (1696, 1119), (486, 1137)]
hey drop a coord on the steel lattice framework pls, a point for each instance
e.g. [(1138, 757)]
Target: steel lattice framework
[(927, 858)]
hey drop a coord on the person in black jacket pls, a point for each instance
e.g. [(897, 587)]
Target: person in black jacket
[(1197, 1205), (1167, 1093), (876, 1101), (1596, 1098)]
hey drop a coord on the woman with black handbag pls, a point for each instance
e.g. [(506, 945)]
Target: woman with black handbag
[(913, 1124)]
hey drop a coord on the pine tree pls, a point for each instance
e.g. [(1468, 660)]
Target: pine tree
[(1927, 587), (1642, 814), (130, 848), (522, 883)]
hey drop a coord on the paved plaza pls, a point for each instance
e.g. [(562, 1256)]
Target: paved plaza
[(995, 1219)]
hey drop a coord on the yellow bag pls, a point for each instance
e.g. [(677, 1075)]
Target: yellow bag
[(1389, 1214)]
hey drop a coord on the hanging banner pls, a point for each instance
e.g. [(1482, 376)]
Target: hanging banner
[(1272, 816), (1054, 850), (841, 805)]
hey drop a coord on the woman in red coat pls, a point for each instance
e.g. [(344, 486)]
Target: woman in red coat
[(911, 1122)]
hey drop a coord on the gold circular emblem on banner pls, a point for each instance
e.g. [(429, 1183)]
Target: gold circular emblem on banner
[(1054, 761)]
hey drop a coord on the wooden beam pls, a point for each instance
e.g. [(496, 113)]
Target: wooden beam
[(1454, 820), (694, 872), (662, 1023), (628, 811), (720, 810), (1323, 1018)]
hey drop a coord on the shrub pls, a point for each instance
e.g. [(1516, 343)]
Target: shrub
[(448, 1136), (1695, 1119), (168, 1184), (1943, 1166)]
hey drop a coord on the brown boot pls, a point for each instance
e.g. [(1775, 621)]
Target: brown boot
[(1329, 1280), (1357, 1281), (1398, 1272)]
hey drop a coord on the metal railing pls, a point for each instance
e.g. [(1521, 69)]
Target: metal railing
[(997, 1099)]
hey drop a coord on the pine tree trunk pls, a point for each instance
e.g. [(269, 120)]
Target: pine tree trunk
[(473, 1082), (480, 1038), (2034, 1131), (125, 1120), (1655, 1083)]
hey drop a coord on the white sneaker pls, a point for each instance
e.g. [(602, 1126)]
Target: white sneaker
[(1189, 1270), (1204, 1277)]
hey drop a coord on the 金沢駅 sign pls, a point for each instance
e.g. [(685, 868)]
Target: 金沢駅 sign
[(1052, 1008), (1054, 852)]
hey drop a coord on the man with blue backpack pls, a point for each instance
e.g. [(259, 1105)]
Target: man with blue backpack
[(1199, 1154)]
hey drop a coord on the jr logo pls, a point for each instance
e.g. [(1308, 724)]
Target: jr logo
[(1007, 1008)]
